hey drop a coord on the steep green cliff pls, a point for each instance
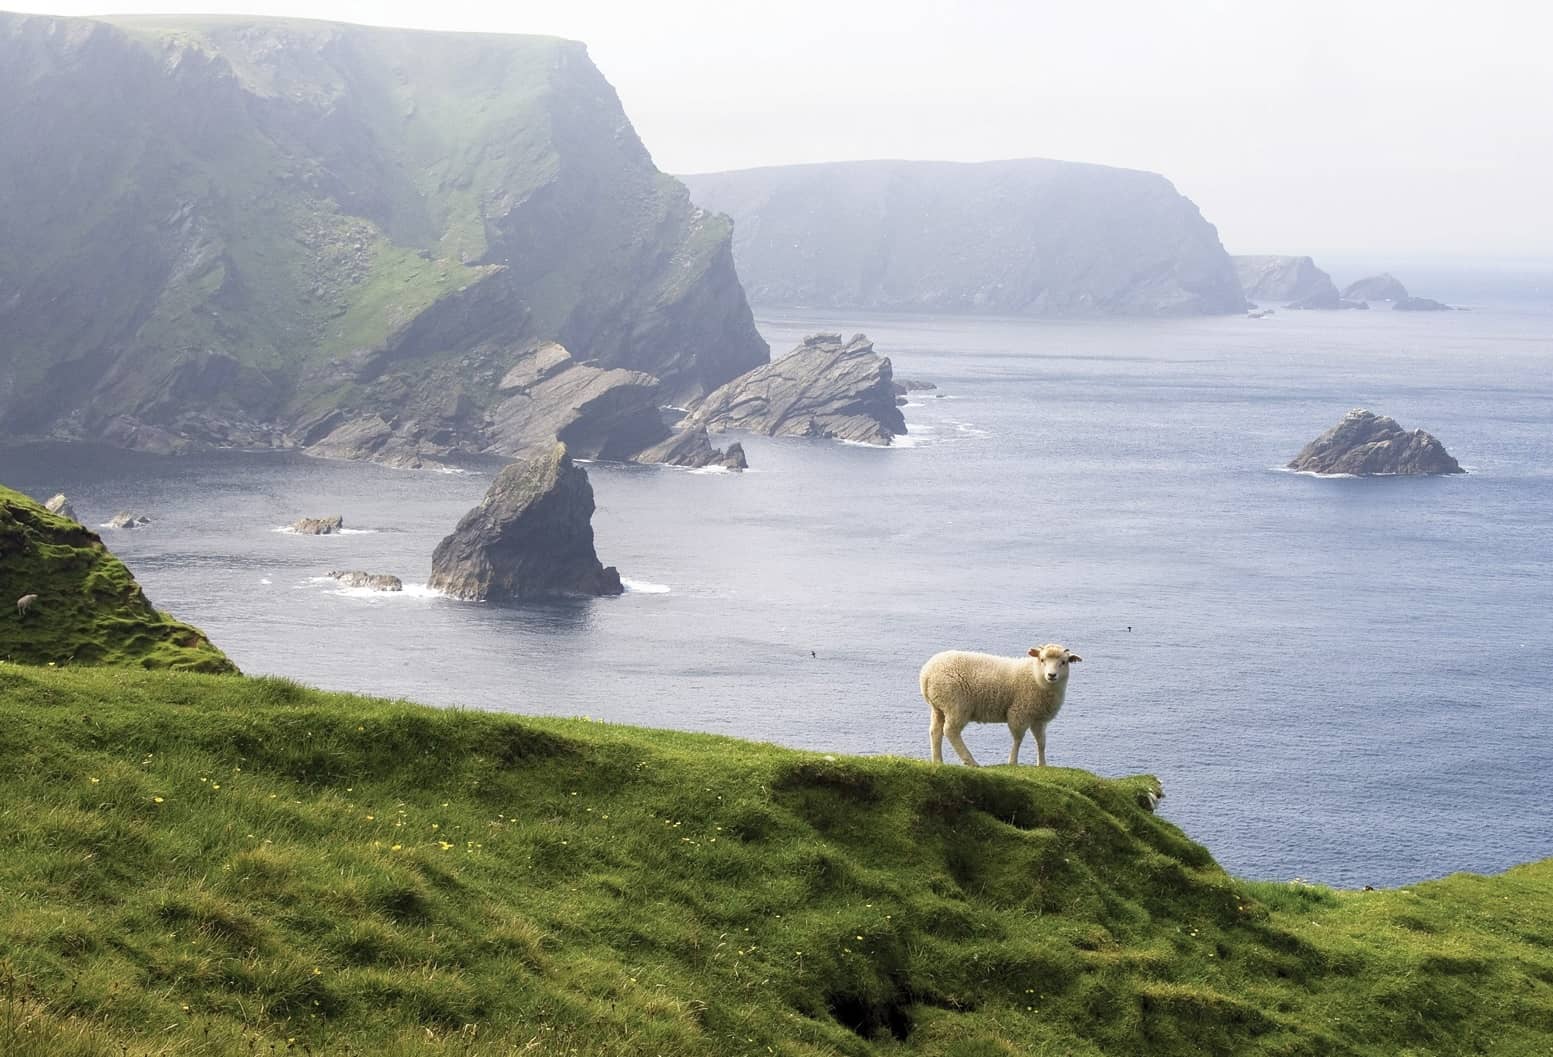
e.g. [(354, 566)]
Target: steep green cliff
[(88, 609), (1024, 237), (256, 231)]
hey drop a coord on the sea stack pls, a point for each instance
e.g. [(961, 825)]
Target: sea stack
[(1365, 444), (530, 537), (61, 506), (825, 387)]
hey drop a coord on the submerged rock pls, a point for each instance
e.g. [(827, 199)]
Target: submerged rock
[(1326, 299), (1366, 444), (375, 581), (318, 526), (61, 506), (1382, 287), (531, 536), (123, 520), (1421, 304), (692, 447), (823, 388)]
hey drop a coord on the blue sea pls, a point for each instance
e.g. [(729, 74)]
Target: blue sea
[(1341, 680)]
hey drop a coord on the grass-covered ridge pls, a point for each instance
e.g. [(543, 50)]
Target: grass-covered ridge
[(89, 608), (199, 865)]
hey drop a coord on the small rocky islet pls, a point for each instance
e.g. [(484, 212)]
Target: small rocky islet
[(530, 537), (826, 387), (1365, 444)]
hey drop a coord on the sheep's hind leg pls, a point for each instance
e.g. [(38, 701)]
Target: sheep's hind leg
[(935, 734), (953, 731)]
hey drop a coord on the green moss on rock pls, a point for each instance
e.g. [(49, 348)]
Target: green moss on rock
[(89, 608)]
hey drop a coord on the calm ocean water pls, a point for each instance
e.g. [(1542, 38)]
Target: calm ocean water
[(1341, 680)]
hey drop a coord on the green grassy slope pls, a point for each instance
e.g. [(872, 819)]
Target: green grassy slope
[(89, 608), (198, 865)]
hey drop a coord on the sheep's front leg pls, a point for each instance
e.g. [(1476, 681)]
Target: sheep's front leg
[(1018, 733), (1040, 745), (953, 730), (935, 734)]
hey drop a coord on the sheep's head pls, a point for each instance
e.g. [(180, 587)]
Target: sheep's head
[(1053, 660)]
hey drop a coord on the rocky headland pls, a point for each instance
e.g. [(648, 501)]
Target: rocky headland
[(1365, 444), (826, 387), (264, 233), (530, 537), (1027, 237), (1284, 279)]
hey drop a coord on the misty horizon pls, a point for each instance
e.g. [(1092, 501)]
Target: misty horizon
[(1365, 132)]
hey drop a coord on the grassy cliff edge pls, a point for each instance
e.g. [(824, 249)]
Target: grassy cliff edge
[(200, 865), (89, 609)]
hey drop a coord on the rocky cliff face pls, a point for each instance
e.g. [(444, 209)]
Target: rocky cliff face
[(1030, 237), (1274, 278), (825, 387), (1366, 444), (530, 537), (256, 231)]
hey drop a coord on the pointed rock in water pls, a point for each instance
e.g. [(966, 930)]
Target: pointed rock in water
[(318, 526), (823, 388), (530, 537), (61, 506), (1382, 287), (375, 581), (123, 520), (692, 447), (1366, 444)]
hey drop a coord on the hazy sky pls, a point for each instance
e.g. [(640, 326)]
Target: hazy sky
[(1375, 126)]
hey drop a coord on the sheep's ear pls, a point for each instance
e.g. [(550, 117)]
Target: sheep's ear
[(1073, 658), (1035, 651)]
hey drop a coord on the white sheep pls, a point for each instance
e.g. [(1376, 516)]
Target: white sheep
[(1024, 692), (23, 604)]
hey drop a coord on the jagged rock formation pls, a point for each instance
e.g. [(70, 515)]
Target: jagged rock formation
[(372, 581), (126, 520), (1284, 279), (530, 537), (823, 388), (317, 526), (89, 609), (1027, 237), (265, 232), (1421, 304), (1382, 287), (61, 506), (693, 448), (1366, 444)]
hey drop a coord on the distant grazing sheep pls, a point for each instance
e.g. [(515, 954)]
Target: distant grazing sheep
[(23, 604), (1024, 692)]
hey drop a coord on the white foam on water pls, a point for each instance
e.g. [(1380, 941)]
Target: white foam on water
[(288, 530), (1324, 476), (644, 587), (711, 469)]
